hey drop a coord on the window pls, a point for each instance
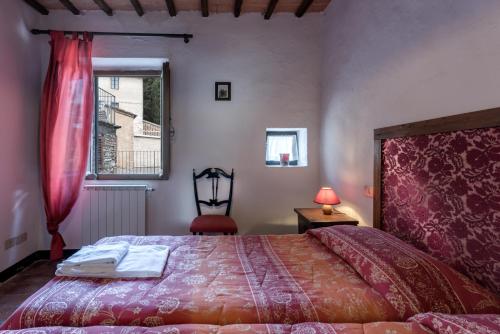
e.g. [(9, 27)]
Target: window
[(131, 126), (115, 83), (286, 147), (279, 143)]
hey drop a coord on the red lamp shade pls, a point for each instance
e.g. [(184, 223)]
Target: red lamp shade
[(326, 195)]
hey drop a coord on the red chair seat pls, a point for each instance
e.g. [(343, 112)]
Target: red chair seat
[(213, 223)]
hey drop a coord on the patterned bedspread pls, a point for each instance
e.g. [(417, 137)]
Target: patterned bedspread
[(215, 280), (333, 275), (304, 328), (412, 281), (427, 323), (461, 324)]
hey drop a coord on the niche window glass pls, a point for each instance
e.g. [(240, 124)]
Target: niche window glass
[(131, 137), (115, 82), (286, 147)]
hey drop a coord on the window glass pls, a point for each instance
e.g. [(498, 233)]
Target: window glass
[(286, 147), (281, 143), (129, 138), (115, 82)]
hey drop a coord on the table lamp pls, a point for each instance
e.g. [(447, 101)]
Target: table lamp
[(327, 197)]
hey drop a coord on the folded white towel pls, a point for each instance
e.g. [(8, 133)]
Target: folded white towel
[(140, 262), (105, 255)]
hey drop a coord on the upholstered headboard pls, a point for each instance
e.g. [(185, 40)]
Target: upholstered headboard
[(437, 186)]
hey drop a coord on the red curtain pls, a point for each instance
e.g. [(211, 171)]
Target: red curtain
[(65, 128)]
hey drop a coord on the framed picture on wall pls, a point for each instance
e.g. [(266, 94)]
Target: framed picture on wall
[(222, 91)]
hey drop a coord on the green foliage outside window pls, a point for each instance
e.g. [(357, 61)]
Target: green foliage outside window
[(152, 99)]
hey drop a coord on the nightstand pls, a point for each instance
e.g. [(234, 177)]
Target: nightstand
[(314, 218)]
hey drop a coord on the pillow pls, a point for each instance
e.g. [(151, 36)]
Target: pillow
[(412, 281), (459, 324)]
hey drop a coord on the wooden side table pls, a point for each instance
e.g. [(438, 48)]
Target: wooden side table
[(314, 218)]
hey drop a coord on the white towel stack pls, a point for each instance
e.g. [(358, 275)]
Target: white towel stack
[(101, 256), (117, 260)]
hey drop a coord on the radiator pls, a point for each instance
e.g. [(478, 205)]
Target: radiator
[(110, 210)]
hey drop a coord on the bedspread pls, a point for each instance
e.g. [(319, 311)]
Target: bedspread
[(303, 328), (412, 281), (340, 274), (215, 280), (427, 323), (462, 324)]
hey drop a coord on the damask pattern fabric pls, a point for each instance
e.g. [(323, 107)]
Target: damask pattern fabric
[(463, 324), (215, 280), (441, 193), (412, 281), (303, 328), (427, 323)]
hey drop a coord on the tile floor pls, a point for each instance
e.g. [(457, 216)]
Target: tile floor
[(15, 290)]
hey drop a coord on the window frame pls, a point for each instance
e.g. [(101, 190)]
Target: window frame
[(283, 133), (164, 73), (115, 84)]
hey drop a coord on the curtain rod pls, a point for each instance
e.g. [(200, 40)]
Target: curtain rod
[(186, 37)]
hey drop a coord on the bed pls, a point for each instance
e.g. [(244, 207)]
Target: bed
[(341, 274), (303, 328), (216, 280), (426, 323), (334, 275)]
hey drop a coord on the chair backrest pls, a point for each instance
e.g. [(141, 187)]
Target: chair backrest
[(214, 174)]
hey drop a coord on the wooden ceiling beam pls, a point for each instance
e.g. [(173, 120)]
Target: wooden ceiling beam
[(171, 7), (204, 8), (304, 6), (104, 7), (37, 6), (69, 6), (237, 7), (137, 7), (270, 9)]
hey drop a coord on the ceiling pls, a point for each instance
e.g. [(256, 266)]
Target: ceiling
[(206, 7)]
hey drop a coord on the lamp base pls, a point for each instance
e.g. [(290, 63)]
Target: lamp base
[(327, 209)]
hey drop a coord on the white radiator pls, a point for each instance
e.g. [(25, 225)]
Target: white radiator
[(110, 210)]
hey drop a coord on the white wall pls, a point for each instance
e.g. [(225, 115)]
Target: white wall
[(20, 204), (383, 62), (148, 151), (274, 67), (388, 62), (129, 96)]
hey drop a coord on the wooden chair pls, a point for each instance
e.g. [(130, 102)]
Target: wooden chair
[(213, 223)]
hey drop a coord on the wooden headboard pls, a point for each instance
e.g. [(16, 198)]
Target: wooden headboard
[(437, 186)]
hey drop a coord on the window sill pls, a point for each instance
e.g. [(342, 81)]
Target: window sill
[(289, 166), (118, 177)]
